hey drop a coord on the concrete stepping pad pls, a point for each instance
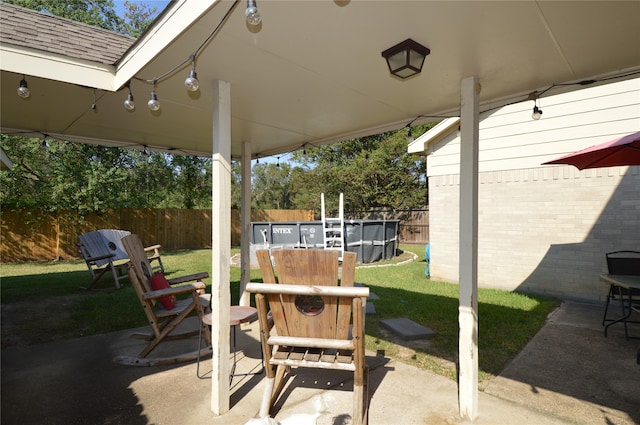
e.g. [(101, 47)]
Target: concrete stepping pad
[(371, 309), (406, 328), (372, 296)]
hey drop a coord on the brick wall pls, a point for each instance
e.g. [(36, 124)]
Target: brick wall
[(543, 230)]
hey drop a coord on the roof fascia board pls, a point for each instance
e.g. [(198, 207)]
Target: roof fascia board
[(439, 131), (52, 66), (170, 25)]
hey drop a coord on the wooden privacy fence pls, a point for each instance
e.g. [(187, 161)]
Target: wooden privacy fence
[(37, 236)]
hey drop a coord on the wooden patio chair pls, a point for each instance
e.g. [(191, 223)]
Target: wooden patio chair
[(319, 323), (103, 252), (162, 308)]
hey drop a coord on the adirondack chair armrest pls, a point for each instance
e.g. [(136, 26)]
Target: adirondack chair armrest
[(175, 290), (153, 248), (330, 291), (100, 257), (188, 278)]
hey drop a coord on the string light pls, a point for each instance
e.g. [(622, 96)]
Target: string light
[(153, 103), (537, 112), (408, 126), (409, 135), (23, 90), (94, 105), (252, 13), (129, 104), (192, 83)]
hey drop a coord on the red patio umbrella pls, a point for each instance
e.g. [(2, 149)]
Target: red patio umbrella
[(621, 151)]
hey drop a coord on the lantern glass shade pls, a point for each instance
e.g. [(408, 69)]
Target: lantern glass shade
[(406, 59)]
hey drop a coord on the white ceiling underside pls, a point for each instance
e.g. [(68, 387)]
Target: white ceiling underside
[(313, 73)]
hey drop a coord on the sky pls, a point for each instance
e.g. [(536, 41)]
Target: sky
[(158, 4)]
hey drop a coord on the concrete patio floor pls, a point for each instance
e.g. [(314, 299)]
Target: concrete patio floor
[(568, 374)]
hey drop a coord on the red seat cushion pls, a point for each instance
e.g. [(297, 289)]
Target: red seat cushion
[(158, 281)]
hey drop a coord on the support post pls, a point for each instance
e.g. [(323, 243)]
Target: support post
[(221, 246), (468, 287), (245, 224)]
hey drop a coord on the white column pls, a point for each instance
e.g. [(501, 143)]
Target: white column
[(468, 309), (221, 246), (245, 223)]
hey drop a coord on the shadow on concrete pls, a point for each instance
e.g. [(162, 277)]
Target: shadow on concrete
[(571, 370), (68, 383), (592, 378), (333, 380)]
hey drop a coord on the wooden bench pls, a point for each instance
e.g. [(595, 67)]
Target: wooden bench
[(103, 252)]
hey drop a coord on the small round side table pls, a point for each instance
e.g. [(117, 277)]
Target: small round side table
[(238, 315)]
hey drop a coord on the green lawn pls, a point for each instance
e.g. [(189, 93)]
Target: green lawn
[(41, 302)]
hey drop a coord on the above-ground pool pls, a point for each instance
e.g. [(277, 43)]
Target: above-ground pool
[(371, 240)]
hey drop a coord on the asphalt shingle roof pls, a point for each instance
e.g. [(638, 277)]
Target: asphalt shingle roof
[(41, 31)]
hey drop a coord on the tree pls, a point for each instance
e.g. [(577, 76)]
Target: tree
[(236, 184), (372, 172), (98, 13), (57, 175), (193, 179), (138, 17), (271, 186)]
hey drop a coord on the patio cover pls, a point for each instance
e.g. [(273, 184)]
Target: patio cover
[(312, 74)]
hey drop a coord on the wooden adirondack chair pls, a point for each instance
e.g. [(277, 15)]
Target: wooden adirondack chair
[(164, 321), (318, 323), (103, 252)]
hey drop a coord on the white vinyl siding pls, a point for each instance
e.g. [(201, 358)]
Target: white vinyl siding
[(510, 139)]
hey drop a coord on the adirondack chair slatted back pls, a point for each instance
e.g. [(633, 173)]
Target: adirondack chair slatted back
[(139, 260), (310, 316), (104, 242), (103, 252)]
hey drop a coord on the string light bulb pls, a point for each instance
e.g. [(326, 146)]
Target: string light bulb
[(23, 90), (409, 135), (94, 105), (252, 13), (537, 113), (192, 83), (153, 102), (129, 104)]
